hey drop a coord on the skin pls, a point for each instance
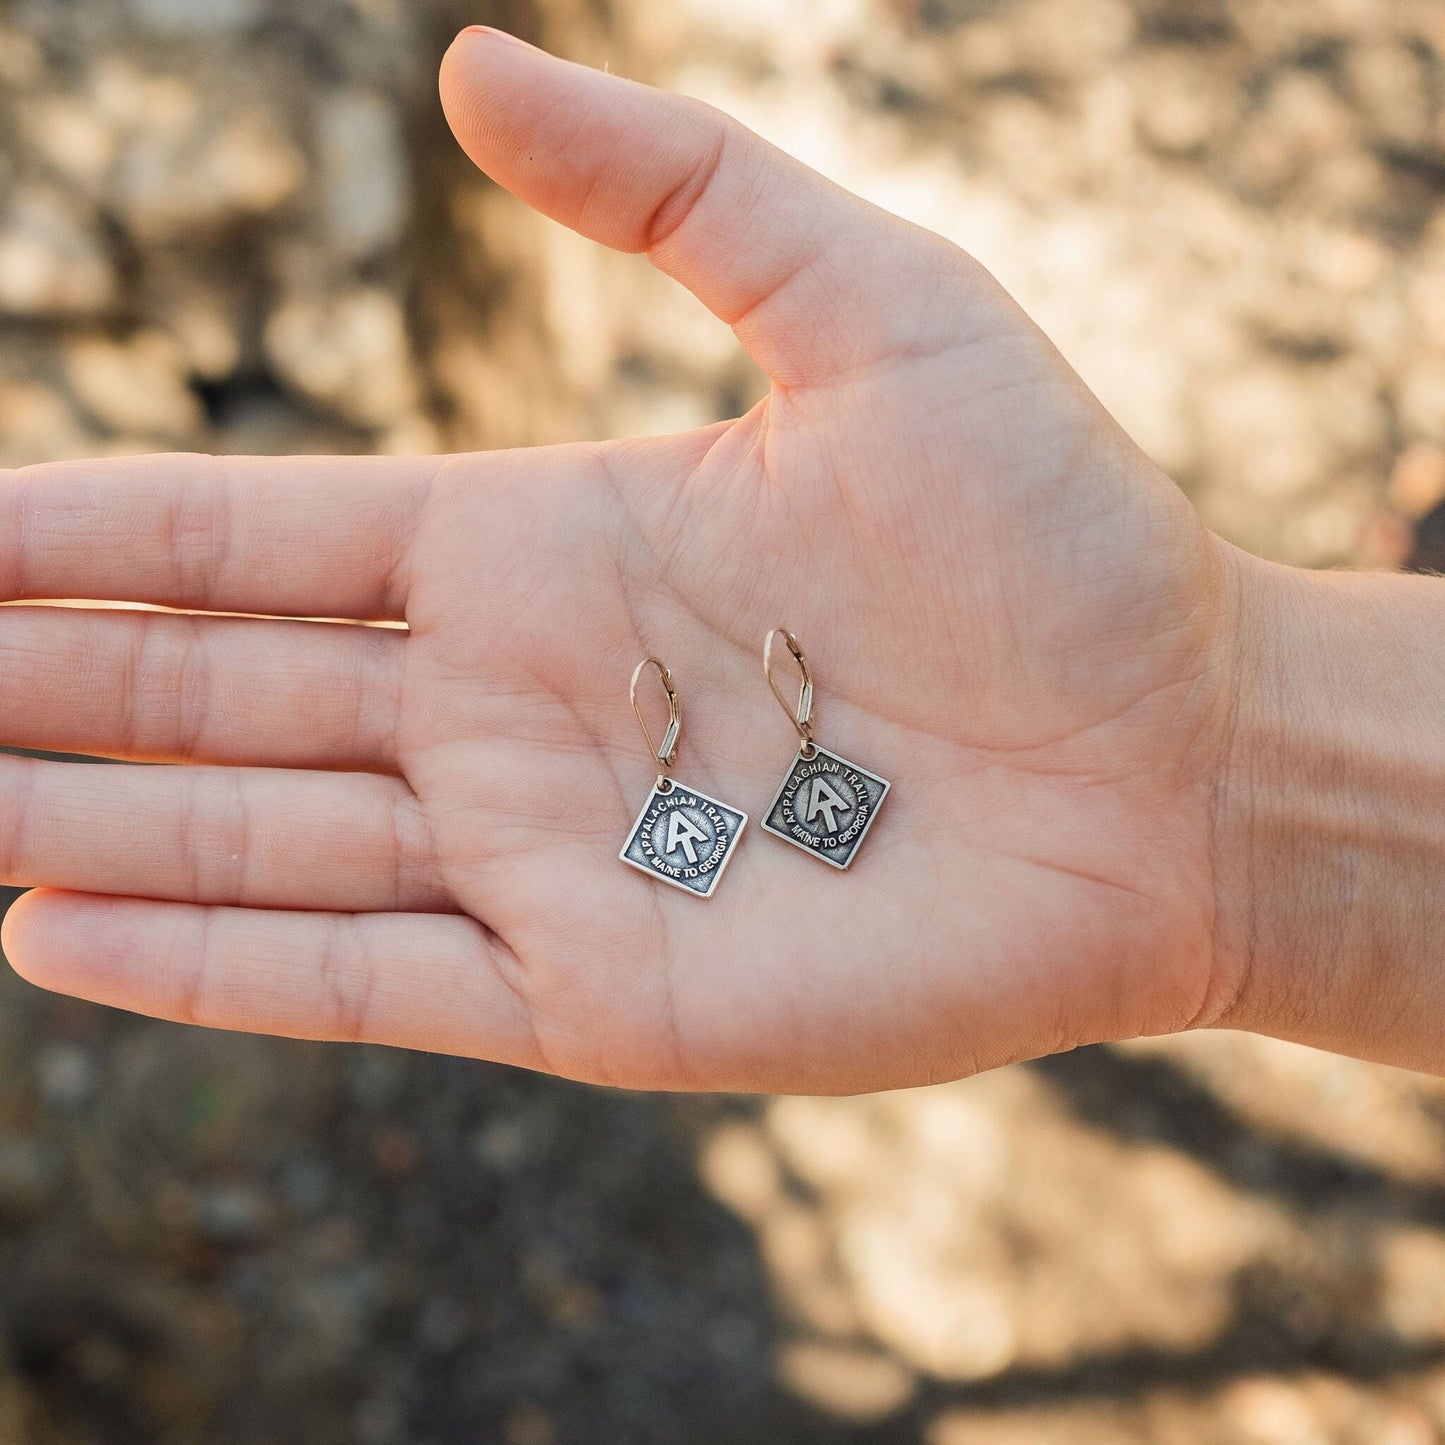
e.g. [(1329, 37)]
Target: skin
[(410, 837)]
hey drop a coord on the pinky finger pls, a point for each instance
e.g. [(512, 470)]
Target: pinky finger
[(419, 981)]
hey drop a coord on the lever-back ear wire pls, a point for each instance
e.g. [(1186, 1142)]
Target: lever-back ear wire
[(666, 755), (801, 717), (825, 804), (681, 837)]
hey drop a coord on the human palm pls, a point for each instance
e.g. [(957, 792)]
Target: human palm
[(411, 836)]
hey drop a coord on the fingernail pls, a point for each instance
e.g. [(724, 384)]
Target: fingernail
[(497, 35)]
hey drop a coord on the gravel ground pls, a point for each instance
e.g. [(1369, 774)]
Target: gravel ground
[(238, 225)]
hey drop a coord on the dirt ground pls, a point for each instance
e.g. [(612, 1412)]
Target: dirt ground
[(239, 225)]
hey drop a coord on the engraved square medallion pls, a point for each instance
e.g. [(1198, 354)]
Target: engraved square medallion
[(685, 838), (825, 806)]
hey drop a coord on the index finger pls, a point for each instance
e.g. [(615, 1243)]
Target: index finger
[(276, 536)]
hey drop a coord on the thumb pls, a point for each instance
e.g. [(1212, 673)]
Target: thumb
[(814, 281)]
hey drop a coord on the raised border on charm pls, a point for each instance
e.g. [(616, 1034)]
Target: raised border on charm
[(766, 822), (715, 877)]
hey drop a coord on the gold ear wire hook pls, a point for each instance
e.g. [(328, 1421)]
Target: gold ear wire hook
[(666, 755), (802, 716)]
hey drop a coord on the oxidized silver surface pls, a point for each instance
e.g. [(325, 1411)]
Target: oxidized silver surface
[(685, 838), (826, 805)]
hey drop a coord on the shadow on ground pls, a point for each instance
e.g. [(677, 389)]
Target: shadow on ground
[(220, 1238)]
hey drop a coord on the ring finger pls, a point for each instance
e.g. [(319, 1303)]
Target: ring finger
[(253, 837), (167, 687)]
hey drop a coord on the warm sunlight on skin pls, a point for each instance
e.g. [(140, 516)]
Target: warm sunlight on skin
[(411, 837)]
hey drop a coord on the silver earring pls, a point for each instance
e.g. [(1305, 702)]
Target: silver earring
[(826, 804), (681, 836)]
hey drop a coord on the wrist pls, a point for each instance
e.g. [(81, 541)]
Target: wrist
[(1329, 817)]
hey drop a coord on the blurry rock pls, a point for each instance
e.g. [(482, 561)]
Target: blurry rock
[(202, 314), (1417, 483), (337, 1313), (395, 1152), (1413, 1265), (1404, 1424), (503, 1143), (660, 410), (1179, 102), (53, 262), (30, 1175), (22, 1419), (37, 424), (847, 1382), (22, 63), (442, 1325), (1424, 281), (117, 1356), (1285, 428), (72, 136), (198, 16), (191, 168), (130, 98), (734, 1336), (307, 1184), (528, 1424), (797, 1246), (1342, 260), (187, 1112), (364, 172), (1421, 397), (1426, 293), (135, 388), (1392, 84), (1302, 319), (1269, 1412), (1381, 329), (337, 1240), (741, 1169), (350, 352), (1076, 39), (1262, 417), (1325, 532), (948, 1324), (376, 1078), (1300, 121), (66, 1077), (380, 1420), (413, 436), (233, 1216), (828, 1147), (1353, 180), (381, 12)]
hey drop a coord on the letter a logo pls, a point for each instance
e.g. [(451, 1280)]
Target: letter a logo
[(682, 832), (824, 798)]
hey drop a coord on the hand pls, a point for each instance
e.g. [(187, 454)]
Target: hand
[(411, 837)]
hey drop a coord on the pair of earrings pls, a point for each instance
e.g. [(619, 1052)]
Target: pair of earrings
[(824, 806)]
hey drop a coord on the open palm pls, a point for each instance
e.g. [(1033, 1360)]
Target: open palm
[(411, 836)]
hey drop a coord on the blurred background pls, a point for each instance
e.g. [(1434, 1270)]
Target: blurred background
[(240, 225)]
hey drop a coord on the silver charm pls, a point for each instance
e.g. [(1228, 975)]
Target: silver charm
[(681, 836), (826, 805)]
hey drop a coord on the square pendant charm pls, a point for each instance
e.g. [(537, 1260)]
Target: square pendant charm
[(685, 838), (825, 806)]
